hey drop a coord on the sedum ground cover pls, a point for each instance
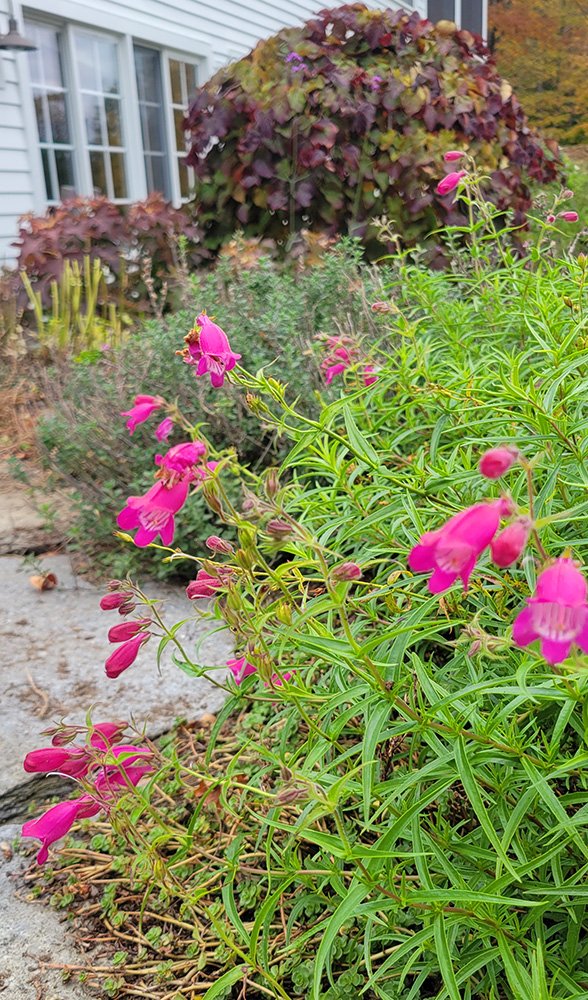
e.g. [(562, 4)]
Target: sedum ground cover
[(393, 802)]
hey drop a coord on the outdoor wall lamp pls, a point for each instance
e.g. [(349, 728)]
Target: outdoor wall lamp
[(14, 41)]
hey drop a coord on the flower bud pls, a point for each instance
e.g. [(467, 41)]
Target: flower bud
[(452, 155), (284, 613), (510, 543), (114, 600), (450, 182), (124, 655), (346, 571), (288, 795), (495, 462), (127, 630), (272, 483), (582, 260), (550, 218), (278, 529), (216, 544), (569, 216)]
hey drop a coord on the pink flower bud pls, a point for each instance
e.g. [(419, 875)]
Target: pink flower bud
[(452, 155), (164, 429), (124, 655), (127, 630), (569, 216), (111, 601), (510, 543), (105, 733), (346, 571), (450, 182), (381, 307), (205, 585), (550, 218), (216, 544), (495, 462), (127, 608), (567, 194)]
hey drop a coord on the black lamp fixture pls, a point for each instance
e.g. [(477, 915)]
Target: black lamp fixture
[(14, 41)]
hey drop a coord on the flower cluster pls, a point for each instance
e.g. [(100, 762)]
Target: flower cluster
[(129, 636), (106, 767), (557, 613), (342, 353)]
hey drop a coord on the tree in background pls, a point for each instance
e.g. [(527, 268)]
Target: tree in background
[(542, 47)]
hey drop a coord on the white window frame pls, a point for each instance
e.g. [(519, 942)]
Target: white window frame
[(166, 56), (130, 112)]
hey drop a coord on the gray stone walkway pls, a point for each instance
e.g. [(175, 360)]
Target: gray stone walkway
[(53, 645)]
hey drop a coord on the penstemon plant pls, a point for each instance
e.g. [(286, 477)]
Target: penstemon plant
[(410, 619)]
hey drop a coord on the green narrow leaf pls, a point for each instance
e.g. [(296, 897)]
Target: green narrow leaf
[(228, 979), (359, 443), (444, 958), (346, 910), (472, 791)]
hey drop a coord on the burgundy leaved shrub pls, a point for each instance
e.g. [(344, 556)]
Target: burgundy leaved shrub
[(346, 118), (122, 237)]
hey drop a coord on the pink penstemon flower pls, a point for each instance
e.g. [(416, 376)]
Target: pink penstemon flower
[(450, 182), (569, 216), (154, 512), (557, 613), (164, 429), (208, 348), (451, 551), (495, 462), (125, 655), (141, 410)]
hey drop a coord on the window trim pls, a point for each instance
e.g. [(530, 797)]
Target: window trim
[(166, 56)]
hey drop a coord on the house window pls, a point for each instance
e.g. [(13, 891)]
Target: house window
[(109, 112), (99, 82), (52, 111), (149, 90), (183, 82)]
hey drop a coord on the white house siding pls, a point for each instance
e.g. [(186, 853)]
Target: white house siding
[(215, 31)]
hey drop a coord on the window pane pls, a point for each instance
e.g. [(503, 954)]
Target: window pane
[(45, 155), (93, 120), (86, 63), (176, 81), (184, 180), (65, 174), (108, 61), (49, 57), (148, 75), (153, 129), (179, 127), (441, 10), (190, 79), (58, 116), (471, 15), (156, 174), (98, 173), (112, 109), (40, 114), (117, 163)]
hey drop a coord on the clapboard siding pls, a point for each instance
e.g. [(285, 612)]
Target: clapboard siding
[(216, 31)]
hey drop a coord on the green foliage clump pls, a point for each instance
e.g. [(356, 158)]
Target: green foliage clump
[(276, 313), (404, 817), (346, 118)]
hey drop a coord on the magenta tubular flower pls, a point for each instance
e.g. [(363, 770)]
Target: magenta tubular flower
[(209, 349), (73, 762), (153, 513), (203, 586), (510, 543), (182, 457), (332, 370), (164, 429), (569, 216), (450, 182), (128, 630), (124, 655), (495, 462), (111, 601), (557, 614), (104, 734), (452, 155), (141, 410), (57, 822), (452, 550), (369, 375), (241, 668)]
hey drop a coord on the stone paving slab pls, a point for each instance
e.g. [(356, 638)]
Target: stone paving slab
[(31, 935), (52, 650)]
